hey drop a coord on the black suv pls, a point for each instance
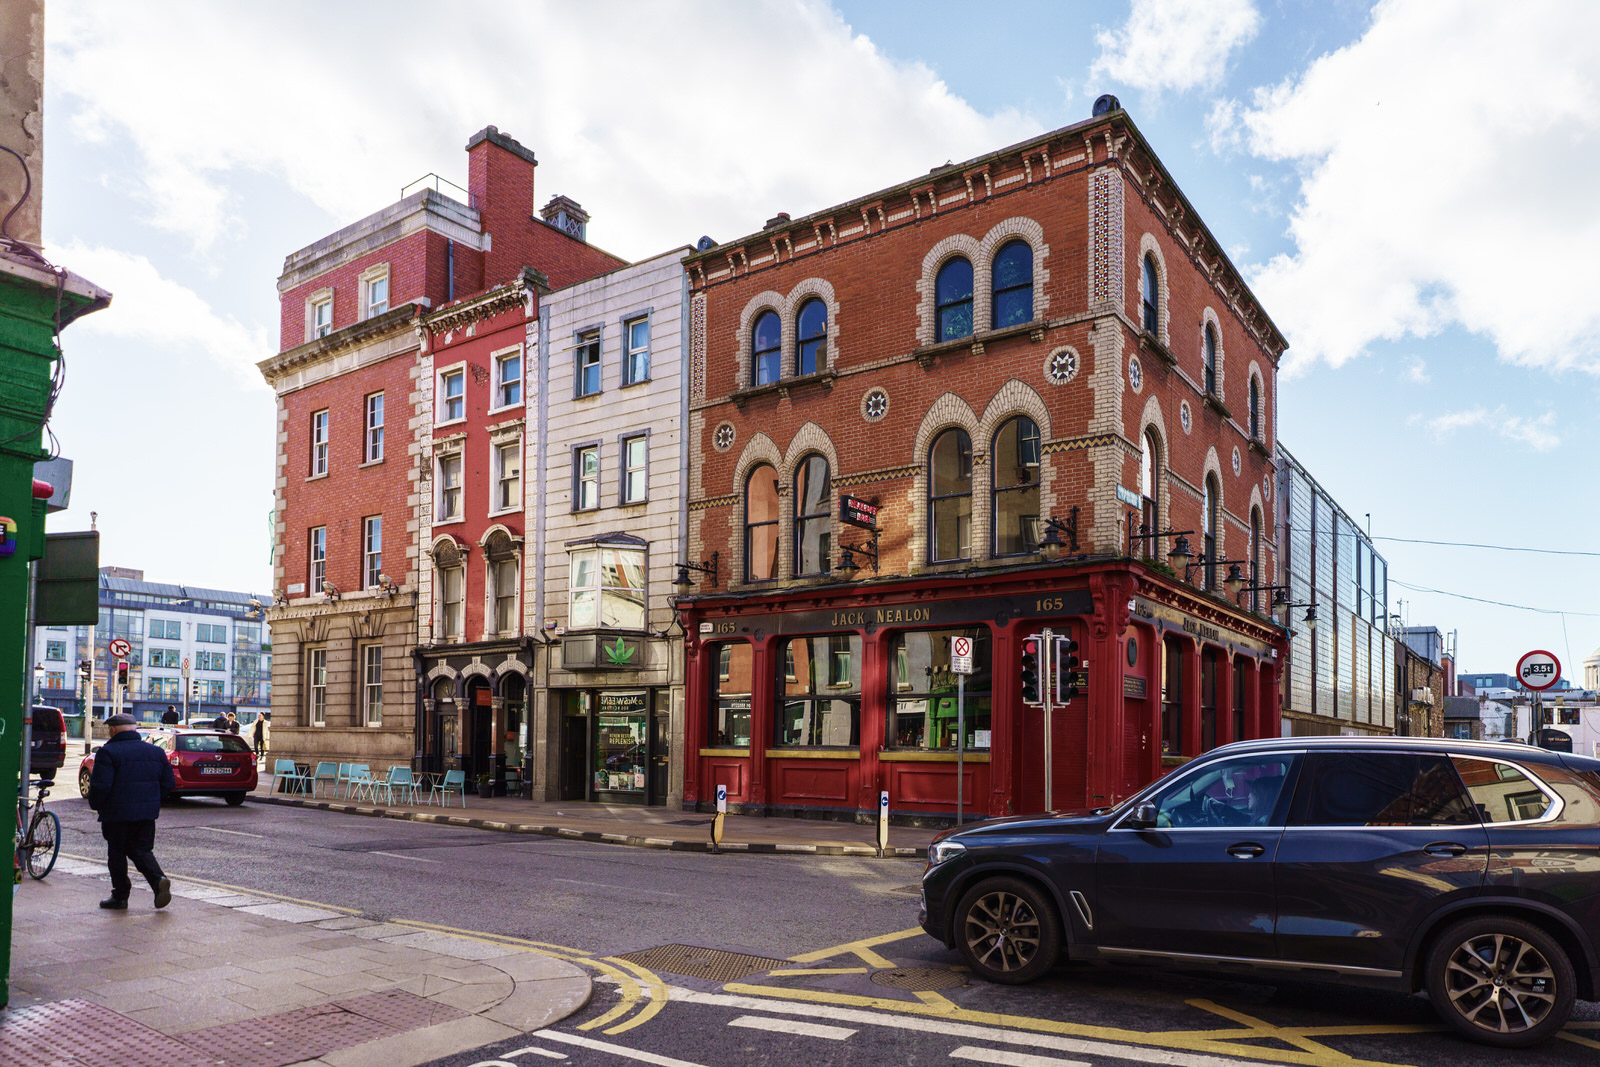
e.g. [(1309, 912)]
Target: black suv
[(1468, 868), (48, 750)]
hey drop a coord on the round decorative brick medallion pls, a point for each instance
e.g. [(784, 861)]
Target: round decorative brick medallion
[(1266, 487), (1185, 416), (1061, 366), (874, 405), (1237, 464), (722, 440), (1135, 374)]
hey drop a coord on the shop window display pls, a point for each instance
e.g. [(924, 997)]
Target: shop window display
[(620, 742), (730, 697), (819, 695), (922, 691)]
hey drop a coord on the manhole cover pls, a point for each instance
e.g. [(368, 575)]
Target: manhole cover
[(919, 979), (709, 963)]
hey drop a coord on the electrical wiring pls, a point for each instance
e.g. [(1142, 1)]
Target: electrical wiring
[(1495, 603)]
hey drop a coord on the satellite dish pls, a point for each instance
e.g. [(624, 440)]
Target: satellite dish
[(1105, 103)]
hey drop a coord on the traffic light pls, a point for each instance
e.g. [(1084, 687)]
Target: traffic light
[(1030, 670), (1066, 664), (85, 668), (122, 672), (194, 689)]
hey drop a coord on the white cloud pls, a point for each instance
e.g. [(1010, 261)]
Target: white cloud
[(1175, 44), (668, 130), (1537, 434), (1447, 161), (1417, 371), (157, 313)]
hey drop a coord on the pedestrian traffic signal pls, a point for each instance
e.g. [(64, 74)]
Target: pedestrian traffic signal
[(85, 668), (1066, 661), (122, 672), (194, 689), (1030, 670)]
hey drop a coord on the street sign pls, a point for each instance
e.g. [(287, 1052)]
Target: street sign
[(1538, 670), (856, 512), (186, 666), (120, 648), (961, 655), (1128, 497)]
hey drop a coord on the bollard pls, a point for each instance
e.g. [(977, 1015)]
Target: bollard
[(883, 822), (716, 823)]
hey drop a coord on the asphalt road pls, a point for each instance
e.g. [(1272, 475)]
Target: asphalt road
[(843, 976)]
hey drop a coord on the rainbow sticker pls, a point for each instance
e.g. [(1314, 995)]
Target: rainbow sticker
[(8, 536)]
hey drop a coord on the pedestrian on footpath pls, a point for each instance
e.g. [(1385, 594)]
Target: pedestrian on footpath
[(170, 716), (232, 723), (130, 777), (259, 734)]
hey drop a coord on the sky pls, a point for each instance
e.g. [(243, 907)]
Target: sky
[(1407, 186)]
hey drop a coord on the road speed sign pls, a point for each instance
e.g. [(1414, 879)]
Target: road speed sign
[(1538, 670), (120, 647)]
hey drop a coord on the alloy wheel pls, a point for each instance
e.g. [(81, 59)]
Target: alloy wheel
[(1500, 983), (1002, 931)]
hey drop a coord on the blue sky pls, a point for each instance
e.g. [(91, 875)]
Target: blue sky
[(1408, 187)]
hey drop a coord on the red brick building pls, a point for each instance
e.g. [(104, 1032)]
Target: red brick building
[(1042, 344), (354, 381)]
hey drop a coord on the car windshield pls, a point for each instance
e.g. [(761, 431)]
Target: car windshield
[(211, 743)]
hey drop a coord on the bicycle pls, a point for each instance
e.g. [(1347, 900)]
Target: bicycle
[(40, 843)]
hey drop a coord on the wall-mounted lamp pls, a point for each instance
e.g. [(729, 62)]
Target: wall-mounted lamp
[(847, 555), (330, 590), (388, 585), (1233, 582), (1280, 595), (1145, 534), (707, 567), (1051, 546), (1281, 603)]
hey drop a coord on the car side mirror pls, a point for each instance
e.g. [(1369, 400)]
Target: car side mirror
[(1144, 817)]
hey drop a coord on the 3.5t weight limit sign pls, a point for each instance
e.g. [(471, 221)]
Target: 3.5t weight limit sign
[(1538, 670)]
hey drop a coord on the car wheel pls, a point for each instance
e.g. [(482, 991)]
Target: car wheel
[(234, 799), (1007, 931), (1501, 981), (83, 781)]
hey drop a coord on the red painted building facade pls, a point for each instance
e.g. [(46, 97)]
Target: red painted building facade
[(1043, 345)]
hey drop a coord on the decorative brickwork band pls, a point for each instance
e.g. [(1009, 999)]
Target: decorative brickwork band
[(697, 346), (1106, 253)]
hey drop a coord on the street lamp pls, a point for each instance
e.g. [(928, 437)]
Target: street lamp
[(1051, 545), (706, 567)]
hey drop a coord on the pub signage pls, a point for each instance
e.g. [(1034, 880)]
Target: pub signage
[(933, 613), (857, 512)]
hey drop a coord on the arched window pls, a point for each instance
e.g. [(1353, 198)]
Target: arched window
[(1015, 467), (452, 594), (1013, 285), (501, 556), (1151, 295), (813, 336), (1211, 359), (766, 349), (953, 298), (761, 524), (1208, 516), (1255, 557), (1149, 510), (950, 497), (1255, 408), (813, 516)]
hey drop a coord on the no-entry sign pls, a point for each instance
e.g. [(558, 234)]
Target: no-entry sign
[(1538, 670), (120, 648)]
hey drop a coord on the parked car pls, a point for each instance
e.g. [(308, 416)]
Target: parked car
[(48, 749), (1471, 869), (205, 763)]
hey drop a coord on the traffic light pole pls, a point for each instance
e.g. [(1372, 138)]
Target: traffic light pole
[(1046, 693)]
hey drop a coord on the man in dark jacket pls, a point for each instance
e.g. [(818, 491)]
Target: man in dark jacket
[(130, 777)]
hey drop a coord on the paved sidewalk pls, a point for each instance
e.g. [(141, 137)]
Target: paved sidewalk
[(630, 824), (222, 979)]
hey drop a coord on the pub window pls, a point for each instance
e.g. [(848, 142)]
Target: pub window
[(1240, 675), (766, 349), (952, 289), (1172, 697), (1149, 509), (1255, 408), (813, 519), (1208, 516), (950, 497), (922, 691), (1211, 360), (821, 706), (1150, 294), (1208, 699), (1013, 285), (1016, 487), (730, 696), (812, 328), (761, 524), (1255, 558)]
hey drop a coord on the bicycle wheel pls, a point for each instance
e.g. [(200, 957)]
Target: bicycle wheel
[(44, 841)]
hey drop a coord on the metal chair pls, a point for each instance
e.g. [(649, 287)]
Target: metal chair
[(285, 771), (399, 783), (326, 772), (361, 780), (453, 782), (344, 778)]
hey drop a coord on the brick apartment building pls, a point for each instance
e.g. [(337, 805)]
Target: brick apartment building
[(361, 312), (1044, 344)]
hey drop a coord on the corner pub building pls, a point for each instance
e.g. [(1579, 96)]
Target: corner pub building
[(1057, 393)]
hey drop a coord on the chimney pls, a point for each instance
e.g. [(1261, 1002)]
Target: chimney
[(500, 182), (566, 215)]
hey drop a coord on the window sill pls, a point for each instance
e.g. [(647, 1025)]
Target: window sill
[(977, 341), (1214, 402), (632, 503), (813, 753), (1175, 761), (370, 463), (502, 410), (453, 521), (503, 512), (1149, 342), (450, 422), (926, 755), (743, 752), (588, 396), (630, 385), (782, 386), (1257, 445), (316, 477)]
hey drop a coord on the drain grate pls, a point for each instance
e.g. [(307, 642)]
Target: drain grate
[(709, 963), (918, 979)]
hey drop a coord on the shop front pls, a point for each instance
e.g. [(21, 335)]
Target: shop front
[(615, 745), (812, 702), (474, 712)]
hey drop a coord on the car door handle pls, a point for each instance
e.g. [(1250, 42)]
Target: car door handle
[(1445, 848), (1245, 851)]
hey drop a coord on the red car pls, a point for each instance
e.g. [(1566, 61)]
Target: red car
[(205, 763)]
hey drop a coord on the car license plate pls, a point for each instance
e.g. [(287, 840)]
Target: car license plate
[(217, 768)]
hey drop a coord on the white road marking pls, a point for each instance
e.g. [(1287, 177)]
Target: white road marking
[(616, 1050), (235, 833), (398, 856), (969, 1031), (549, 1054), (789, 1026), (1011, 1059)]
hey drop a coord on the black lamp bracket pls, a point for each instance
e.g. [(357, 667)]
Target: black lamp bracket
[(868, 548), (1145, 534), (706, 567)]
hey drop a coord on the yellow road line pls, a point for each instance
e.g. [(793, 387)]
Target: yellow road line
[(1576, 1040), (1262, 1028), (657, 1000), (790, 972), (857, 947)]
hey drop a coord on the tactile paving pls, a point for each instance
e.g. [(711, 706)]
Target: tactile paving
[(81, 1033), (709, 963), (308, 1033)]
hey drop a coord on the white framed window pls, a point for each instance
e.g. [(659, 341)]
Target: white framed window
[(452, 405), (372, 450), (508, 378), (449, 477), (319, 443), (317, 686), (635, 469), (508, 476), (371, 550), (372, 685), (322, 317), (636, 351), (503, 573), (318, 558), (586, 364), (585, 477), (607, 589), (374, 291), (451, 602)]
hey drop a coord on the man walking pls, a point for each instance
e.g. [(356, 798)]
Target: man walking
[(259, 734), (170, 716), (130, 778)]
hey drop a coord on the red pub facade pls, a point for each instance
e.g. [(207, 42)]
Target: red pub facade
[(1057, 393)]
